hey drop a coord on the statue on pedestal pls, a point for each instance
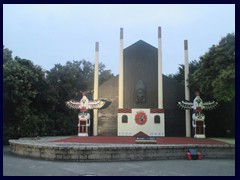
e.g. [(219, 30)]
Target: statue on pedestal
[(198, 118)]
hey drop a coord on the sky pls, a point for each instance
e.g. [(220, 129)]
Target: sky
[(49, 34)]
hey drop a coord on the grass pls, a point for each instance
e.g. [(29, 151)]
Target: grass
[(227, 140)]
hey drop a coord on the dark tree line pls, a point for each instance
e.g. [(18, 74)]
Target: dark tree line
[(34, 99), (214, 76)]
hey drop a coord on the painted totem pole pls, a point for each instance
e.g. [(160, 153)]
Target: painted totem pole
[(198, 118), (84, 117)]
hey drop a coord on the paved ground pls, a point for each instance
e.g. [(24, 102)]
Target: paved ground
[(14, 165)]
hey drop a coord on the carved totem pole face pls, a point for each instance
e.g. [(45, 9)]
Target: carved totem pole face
[(84, 104)]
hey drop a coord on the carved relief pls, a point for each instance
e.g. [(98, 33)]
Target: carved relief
[(140, 92)]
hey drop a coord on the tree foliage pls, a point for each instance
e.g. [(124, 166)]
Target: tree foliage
[(34, 99), (179, 76), (215, 76), (7, 55), (22, 90)]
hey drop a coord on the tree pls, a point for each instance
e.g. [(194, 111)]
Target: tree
[(104, 75), (23, 84), (215, 76), (34, 100), (179, 76), (7, 55), (66, 82)]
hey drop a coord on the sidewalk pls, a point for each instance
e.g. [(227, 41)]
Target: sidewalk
[(14, 165)]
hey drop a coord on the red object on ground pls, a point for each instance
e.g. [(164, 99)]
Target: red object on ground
[(131, 140), (199, 156), (189, 156), (193, 154)]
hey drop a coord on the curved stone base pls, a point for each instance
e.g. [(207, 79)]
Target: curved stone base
[(43, 148)]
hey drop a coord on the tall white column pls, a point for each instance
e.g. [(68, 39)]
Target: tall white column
[(160, 83), (187, 91), (120, 93), (95, 93)]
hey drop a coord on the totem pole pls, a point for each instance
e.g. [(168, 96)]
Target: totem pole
[(84, 117), (198, 118)]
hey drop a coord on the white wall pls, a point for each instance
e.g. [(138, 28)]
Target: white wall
[(150, 128)]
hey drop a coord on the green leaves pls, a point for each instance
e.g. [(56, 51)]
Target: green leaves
[(216, 73), (22, 89), (19, 80), (224, 84), (7, 55)]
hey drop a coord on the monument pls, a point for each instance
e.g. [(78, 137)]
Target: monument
[(84, 117), (143, 100), (140, 109), (198, 117), (143, 104)]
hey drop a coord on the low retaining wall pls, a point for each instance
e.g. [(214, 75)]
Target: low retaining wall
[(115, 152)]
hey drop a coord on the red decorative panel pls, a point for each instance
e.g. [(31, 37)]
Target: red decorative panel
[(155, 110), (199, 127), (141, 118), (83, 123), (140, 134), (125, 110)]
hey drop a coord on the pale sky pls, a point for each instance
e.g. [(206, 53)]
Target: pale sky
[(51, 34)]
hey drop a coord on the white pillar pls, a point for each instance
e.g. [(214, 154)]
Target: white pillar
[(187, 91), (120, 93), (160, 83), (95, 93)]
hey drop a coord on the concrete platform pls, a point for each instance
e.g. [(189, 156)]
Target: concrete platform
[(100, 148)]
